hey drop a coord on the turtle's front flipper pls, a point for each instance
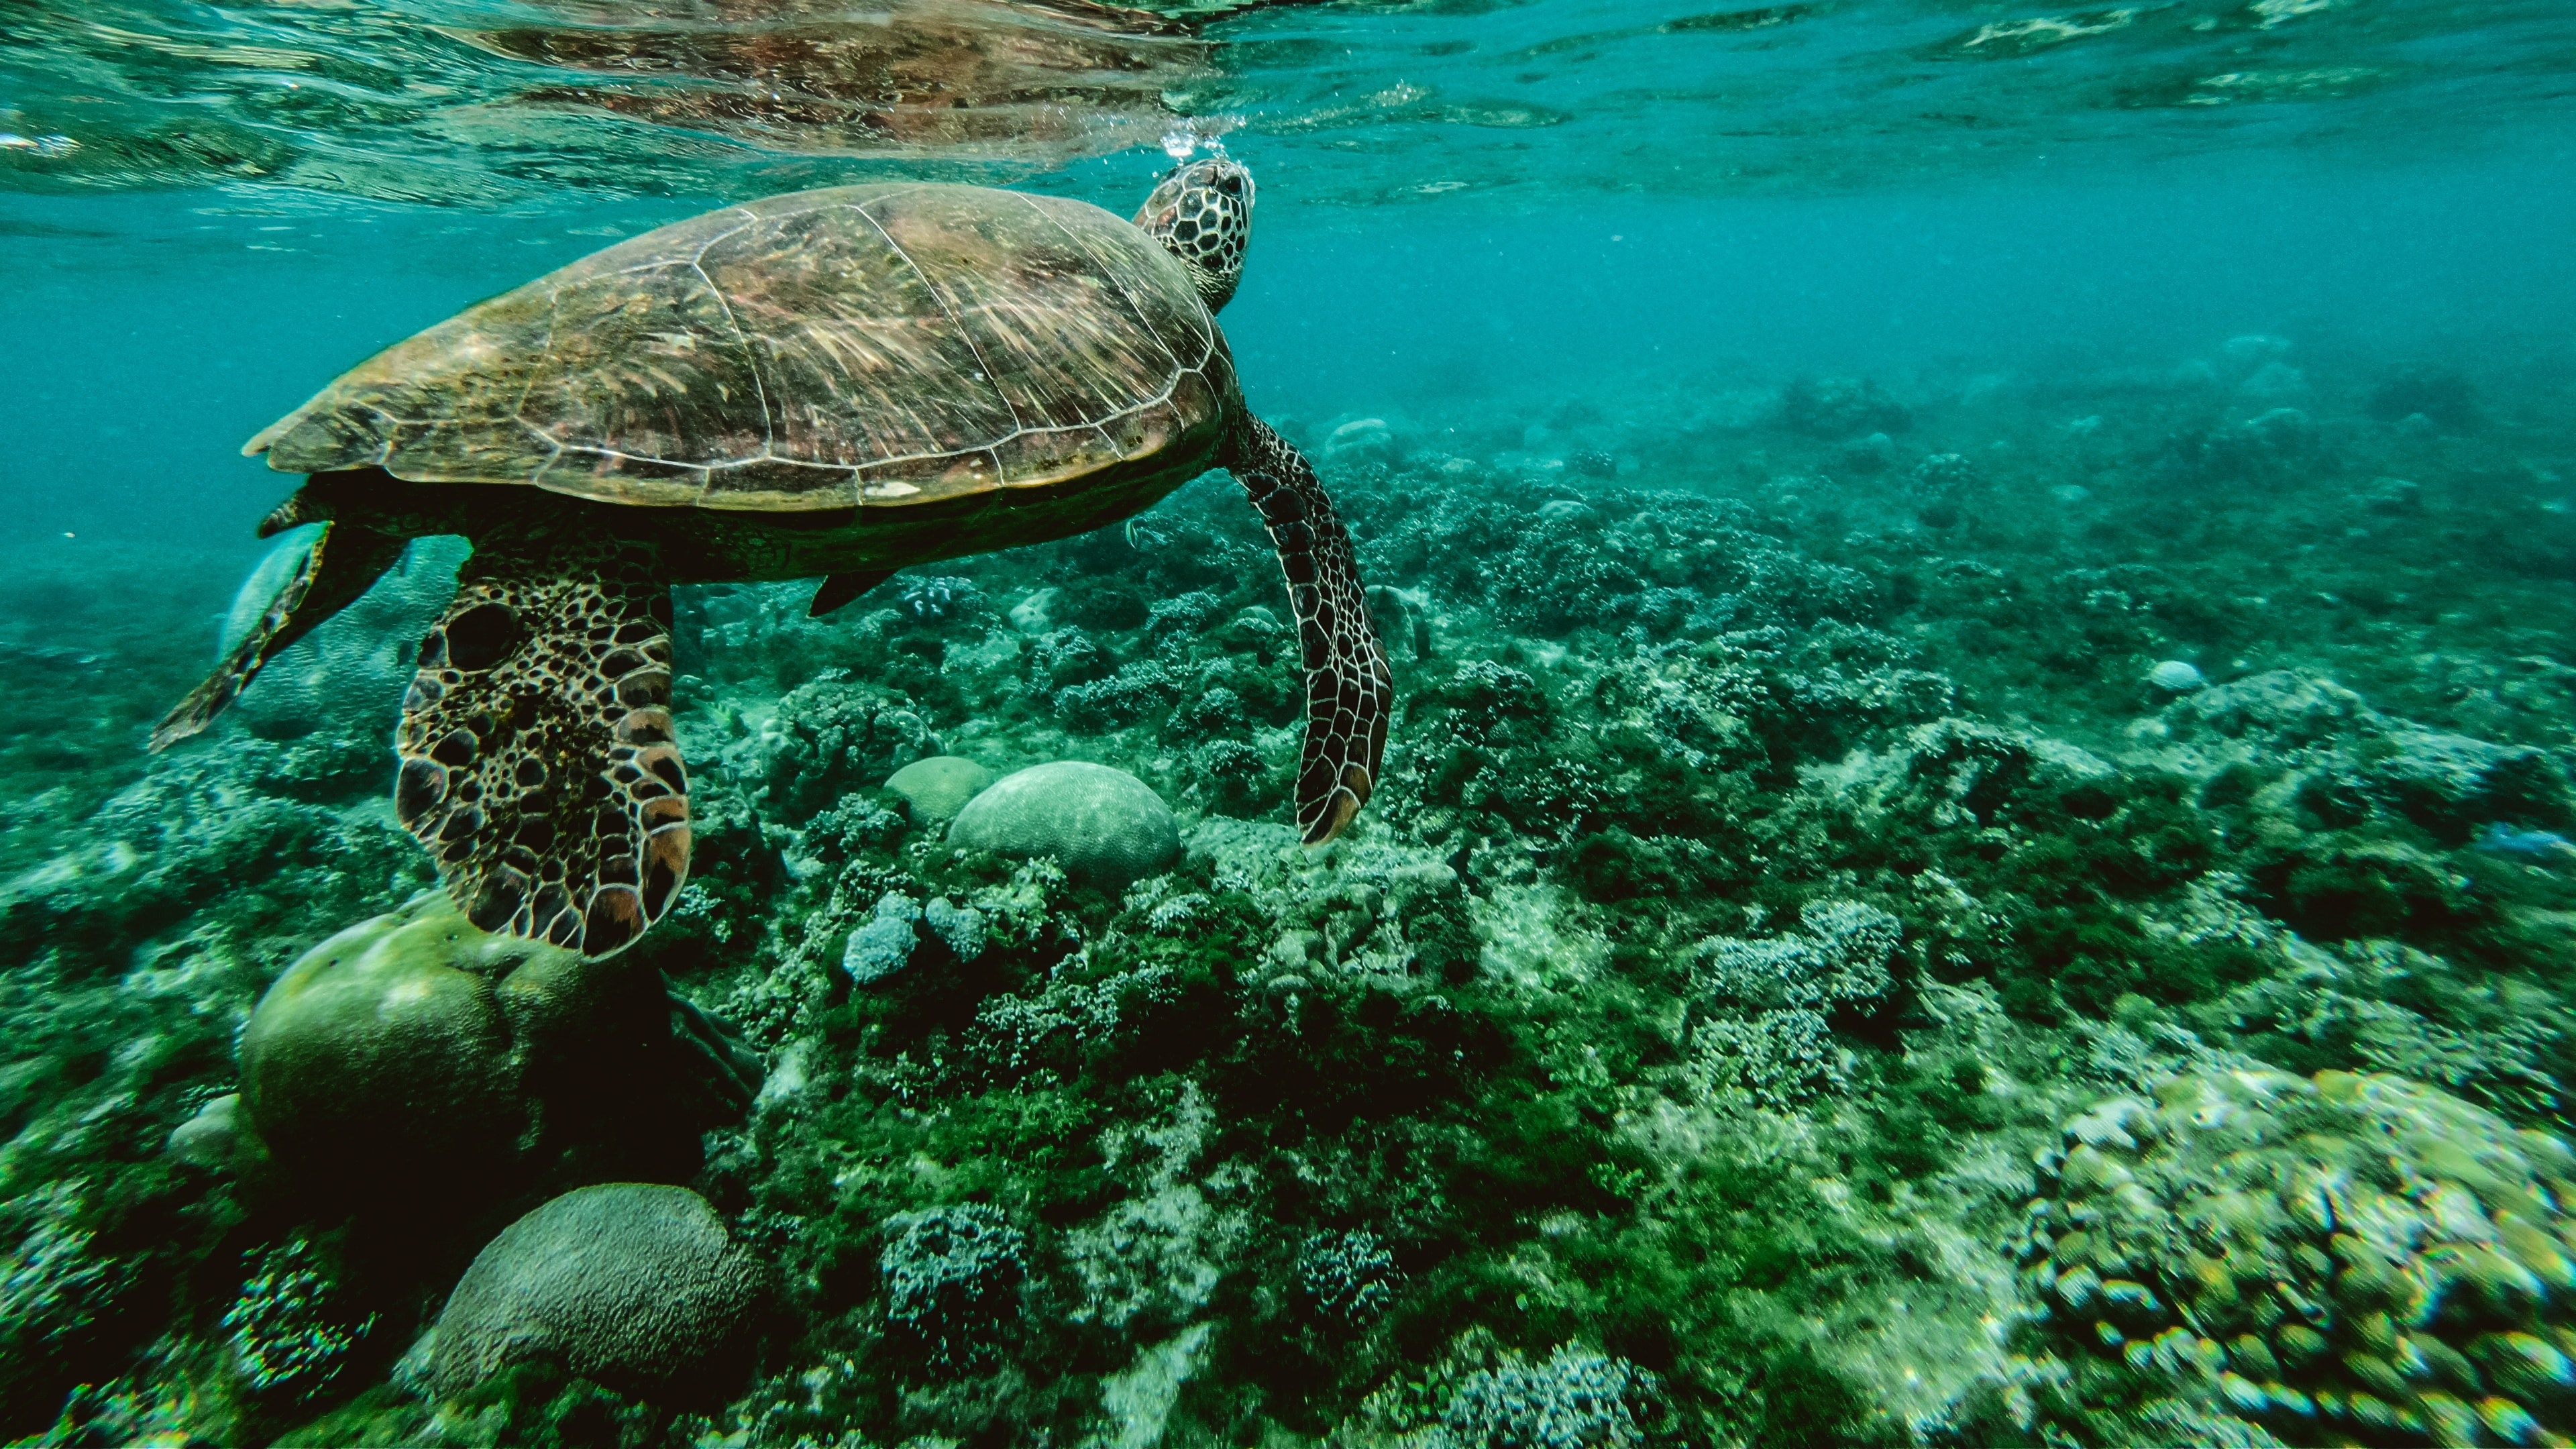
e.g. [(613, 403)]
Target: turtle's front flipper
[(538, 763), (344, 562), (1348, 688)]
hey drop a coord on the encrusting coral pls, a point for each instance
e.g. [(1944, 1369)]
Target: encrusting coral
[(2348, 1259)]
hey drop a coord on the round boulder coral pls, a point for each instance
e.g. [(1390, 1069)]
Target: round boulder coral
[(635, 1285), (938, 787), (1102, 825), (2358, 1259), (411, 1050)]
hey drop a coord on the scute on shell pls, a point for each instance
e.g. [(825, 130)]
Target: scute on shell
[(863, 345)]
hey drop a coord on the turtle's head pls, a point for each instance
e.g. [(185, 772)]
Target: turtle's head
[(1202, 214)]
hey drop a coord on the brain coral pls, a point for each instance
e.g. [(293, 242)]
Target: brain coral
[(2348, 1259), (1103, 825), (633, 1284)]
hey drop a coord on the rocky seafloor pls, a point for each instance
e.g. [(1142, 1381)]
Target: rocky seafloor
[(1954, 909)]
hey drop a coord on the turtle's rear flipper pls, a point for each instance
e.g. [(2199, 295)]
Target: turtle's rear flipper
[(1348, 688), (725, 1073), (839, 589), (538, 764), (344, 562)]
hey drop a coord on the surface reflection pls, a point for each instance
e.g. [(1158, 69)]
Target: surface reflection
[(985, 77)]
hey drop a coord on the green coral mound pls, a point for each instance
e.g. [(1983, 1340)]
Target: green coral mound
[(415, 1053), (635, 1285), (938, 787), (2343, 1259), (400, 1027)]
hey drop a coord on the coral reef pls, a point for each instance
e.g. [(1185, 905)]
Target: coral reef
[(1575, 1399), (828, 737), (54, 1287), (952, 1281), (1821, 819), (1765, 1002), (1839, 407)]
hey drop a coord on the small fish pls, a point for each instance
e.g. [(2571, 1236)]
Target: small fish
[(2502, 839)]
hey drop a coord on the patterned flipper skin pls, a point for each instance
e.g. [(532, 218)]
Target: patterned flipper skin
[(1349, 690), (538, 762)]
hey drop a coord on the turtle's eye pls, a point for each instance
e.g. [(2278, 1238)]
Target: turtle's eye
[(1230, 184)]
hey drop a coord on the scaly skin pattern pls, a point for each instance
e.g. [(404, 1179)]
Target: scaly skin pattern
[(1202, 213), (538, 761), (1349, 690)]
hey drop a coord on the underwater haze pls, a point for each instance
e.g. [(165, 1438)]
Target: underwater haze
[(1976, 842)]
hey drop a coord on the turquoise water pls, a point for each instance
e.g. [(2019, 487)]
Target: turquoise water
[(1972, 847)]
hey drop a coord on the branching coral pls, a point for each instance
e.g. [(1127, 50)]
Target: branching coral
[(952, 1280), (1575, 1398), (1766, 1000), (286, 1338), (1349, 1277)]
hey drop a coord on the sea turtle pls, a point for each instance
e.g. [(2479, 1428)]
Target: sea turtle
[(838, 382)]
